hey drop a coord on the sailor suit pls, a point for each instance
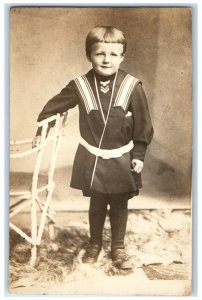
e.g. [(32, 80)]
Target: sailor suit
[(115, 127)]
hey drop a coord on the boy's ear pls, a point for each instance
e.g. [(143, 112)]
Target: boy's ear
[(123, 56)]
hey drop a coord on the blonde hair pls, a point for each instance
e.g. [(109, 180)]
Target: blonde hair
[(105, 34)]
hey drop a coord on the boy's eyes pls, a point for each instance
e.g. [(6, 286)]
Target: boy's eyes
[(103, 54)]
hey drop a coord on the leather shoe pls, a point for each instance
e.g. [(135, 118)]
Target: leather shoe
[(120, 259), (91, 254)]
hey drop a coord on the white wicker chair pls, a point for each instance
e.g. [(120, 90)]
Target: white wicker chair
[(40, 209)]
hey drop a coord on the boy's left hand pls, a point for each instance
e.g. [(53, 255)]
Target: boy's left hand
[(137, 165)]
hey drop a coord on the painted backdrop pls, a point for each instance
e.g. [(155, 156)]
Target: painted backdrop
[(47, 50)]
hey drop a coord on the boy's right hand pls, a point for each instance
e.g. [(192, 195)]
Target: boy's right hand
[(36, 141)]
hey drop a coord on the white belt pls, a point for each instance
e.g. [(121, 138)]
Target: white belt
[(105, 153)]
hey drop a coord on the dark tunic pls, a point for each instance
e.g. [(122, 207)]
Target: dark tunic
[(92, 173)]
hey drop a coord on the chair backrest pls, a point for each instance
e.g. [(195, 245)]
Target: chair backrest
[(53, 138)]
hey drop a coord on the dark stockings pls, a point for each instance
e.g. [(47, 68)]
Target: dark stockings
[(118, 215)]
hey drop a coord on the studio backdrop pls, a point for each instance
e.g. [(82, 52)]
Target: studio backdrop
[(47, 50)]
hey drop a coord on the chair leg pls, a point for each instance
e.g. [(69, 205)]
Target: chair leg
[(33, 231), (33, 258), (44, 214), (50, 216)]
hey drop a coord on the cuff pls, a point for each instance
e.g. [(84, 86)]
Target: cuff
[(139, 150)]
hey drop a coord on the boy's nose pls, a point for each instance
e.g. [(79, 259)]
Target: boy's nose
[(106, 59)]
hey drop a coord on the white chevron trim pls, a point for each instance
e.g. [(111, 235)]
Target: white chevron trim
[(104, 89)]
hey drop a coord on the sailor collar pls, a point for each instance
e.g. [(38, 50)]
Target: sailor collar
[(122, 96)]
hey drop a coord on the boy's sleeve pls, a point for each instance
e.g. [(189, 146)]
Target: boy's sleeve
[(60, 103), (142, 128)]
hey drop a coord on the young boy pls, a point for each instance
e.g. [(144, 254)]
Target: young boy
[(115, 129)]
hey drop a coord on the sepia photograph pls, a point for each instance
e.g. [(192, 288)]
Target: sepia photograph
[(100, 174)]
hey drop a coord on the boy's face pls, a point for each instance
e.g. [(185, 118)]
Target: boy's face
[(106, 58)]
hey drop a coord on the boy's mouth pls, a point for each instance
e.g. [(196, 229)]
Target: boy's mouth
[(106, 67)]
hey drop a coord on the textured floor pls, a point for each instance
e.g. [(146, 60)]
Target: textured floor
[(158, 242)]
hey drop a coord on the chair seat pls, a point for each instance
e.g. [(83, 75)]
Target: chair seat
[(22, 181)]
